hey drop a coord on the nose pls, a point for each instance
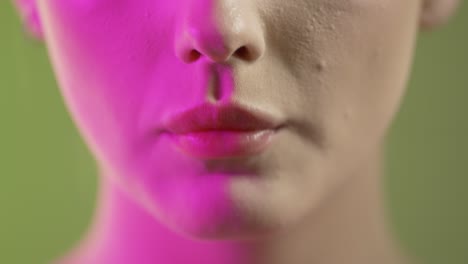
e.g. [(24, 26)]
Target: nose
[(220, 31)]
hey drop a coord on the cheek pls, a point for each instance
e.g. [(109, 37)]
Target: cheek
[(118, 35), (103, 54), (379, 50), (364, 53), (367, 69)]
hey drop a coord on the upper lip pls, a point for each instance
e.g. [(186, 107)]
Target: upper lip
[(227, 117)]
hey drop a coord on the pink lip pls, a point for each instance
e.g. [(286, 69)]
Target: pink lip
[(210, 131), (219, 144)]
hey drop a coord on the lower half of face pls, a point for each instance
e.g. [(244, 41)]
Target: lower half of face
[(333, 70)]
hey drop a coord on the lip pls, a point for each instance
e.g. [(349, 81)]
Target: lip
[(221, 131)]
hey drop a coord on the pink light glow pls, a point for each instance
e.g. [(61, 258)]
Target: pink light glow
[(121, 78)]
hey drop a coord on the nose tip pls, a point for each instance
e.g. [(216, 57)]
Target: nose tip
[(221, 35)]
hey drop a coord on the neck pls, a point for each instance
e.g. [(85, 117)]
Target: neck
[(350, 227)]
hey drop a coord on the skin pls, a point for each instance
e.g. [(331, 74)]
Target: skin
[(334, 71)]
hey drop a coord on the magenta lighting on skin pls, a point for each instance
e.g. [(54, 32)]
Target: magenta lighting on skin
[(234, 131)]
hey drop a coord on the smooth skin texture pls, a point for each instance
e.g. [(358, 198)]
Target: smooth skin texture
[(334, 73)]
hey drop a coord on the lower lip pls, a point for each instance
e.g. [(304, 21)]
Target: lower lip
[(223, 144)]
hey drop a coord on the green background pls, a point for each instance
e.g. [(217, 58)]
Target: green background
[(47, 176)]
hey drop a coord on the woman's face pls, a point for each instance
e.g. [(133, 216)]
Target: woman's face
[(328, 73)]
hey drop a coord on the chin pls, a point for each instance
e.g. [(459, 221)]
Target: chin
[(221, 230), (209, 210), (216, 232)]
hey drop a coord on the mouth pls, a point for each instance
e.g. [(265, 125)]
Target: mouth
[(221, 131)]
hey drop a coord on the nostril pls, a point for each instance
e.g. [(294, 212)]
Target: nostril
[(243, 53), (193, 55)]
